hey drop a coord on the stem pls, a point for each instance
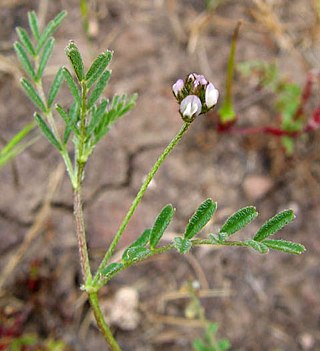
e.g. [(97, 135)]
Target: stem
[(138, 198), (81, 236), (94, 302)]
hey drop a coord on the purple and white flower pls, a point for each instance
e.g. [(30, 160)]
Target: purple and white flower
[(177, 87), (190, 106), (211, 95)]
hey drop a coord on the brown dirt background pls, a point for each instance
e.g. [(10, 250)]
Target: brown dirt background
[(260, 302)]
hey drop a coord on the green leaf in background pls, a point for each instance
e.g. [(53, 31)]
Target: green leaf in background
[(182, 245), (72, 85), (274, 224), (47, 51), (111, 269), (33, 95), (97, 67), (135, 253), (25, 40), (50, 29), (47, 131), (200, 218), (285, 246), (160, 225), (55, 87), (142, 241), (239, 220), (99, 88), (24, 60), (34, 24), (75, 58), (258, 246)]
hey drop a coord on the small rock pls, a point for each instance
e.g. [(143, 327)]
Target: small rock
[(124, 312), (256, 186), (307, 341)]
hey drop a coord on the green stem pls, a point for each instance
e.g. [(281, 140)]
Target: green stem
[(104, 328), (138, 198)]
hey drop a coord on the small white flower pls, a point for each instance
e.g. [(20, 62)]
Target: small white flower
[(211, 95), (177, 87), (190, 106)]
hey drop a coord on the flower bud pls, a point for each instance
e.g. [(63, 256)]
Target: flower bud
[(177, 87), (190, 107), (211, 95)]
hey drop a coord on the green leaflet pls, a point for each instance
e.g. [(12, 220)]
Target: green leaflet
[(200, 218), (47, 132), (111, 269), (274, 224), (55, 87), (182, 245), (160, 225), (258, 246), (75, 58), (99, 88), (67, 119), (285, 246), (97, 115), (72, 85), (47, 51), (25, 40), (135, 253), (239, 220), (97, 67), (24, 60), (142, 241), (33, 95), (50, 29), (34, 24)]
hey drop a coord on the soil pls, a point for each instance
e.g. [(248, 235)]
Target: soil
[(260, 302)]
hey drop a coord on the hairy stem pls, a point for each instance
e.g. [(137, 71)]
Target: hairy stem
[(103, 326), (138, 198), (81, 236)]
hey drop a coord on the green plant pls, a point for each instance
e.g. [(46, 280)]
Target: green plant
[(87, 120)]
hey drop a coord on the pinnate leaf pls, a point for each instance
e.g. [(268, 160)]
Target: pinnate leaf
[(239, 220), (274, 224), (285, 246), (160, 225), (200, 218)]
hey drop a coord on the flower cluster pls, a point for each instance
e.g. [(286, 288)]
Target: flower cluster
[(195, 95)]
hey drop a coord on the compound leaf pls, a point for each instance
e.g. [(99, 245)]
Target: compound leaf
[(274, 224), (160, 225), (200, 218), (239, 220)]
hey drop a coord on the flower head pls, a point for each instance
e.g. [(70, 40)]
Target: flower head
[(190, 107), (196, 95)]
